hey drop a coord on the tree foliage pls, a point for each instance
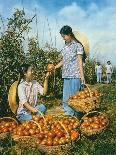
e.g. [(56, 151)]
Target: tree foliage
[(39, 59), (12, 54), (89, 70)]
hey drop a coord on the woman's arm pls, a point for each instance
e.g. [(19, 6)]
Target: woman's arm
[(30, 108), (45, 86), (80, 62), (60, 64)]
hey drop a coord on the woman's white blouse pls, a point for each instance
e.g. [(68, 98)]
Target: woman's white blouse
[(28, 92)]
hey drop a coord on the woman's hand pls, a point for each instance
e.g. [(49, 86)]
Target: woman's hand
[(34, 110), (30, 108), (60, 64), (46, 83)]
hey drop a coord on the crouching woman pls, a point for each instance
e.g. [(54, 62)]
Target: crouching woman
[(27, 94)]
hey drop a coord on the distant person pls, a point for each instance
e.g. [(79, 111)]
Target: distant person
[(109, 71), (98, 71)]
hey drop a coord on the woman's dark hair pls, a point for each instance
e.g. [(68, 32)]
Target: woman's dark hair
[(67, 30), (22, 70)]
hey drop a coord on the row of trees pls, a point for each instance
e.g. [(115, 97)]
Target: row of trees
[(12, 55)]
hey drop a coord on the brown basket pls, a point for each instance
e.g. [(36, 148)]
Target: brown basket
[(21, 138), (97, 131), (26, 141), (4, 135), (55, 150), (59, 149), (85, 105)]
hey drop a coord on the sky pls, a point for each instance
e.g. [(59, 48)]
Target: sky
[(96, 19)]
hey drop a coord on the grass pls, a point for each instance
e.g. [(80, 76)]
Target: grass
[(103, 144)]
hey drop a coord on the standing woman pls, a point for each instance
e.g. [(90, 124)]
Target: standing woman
[(27, 94), (72, 67)]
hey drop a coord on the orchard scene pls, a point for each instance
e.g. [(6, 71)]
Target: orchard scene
[(53, 133)]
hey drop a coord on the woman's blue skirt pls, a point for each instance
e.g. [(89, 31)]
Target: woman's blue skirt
[(70, 87)]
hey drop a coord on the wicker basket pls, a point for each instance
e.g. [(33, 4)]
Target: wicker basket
[(96, 131), (4, 135), (26, 141), (59, 149), (55, 150), (85, 105), (29, 141)]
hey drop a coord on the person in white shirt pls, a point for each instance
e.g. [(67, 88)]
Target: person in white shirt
[(109, 71), (98, 71)]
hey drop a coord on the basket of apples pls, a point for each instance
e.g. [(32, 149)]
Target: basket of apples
[(59, 134), (94, 123), (50, 134), (85, 100), (7, 125)]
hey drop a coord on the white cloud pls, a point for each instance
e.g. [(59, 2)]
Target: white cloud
[(72, 12)]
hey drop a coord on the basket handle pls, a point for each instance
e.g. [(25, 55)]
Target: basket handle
[(88, 114), (64, 129), (89, 92), (42, 116), (9, 118), (88, 89), (37, 125)]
